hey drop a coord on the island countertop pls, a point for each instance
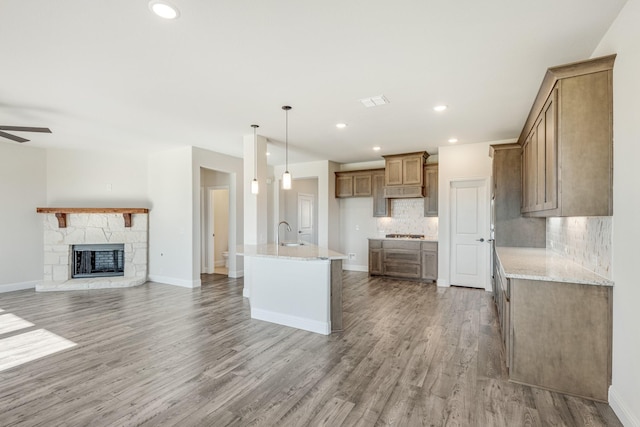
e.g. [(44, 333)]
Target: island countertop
[(303, 252), (543, 264)]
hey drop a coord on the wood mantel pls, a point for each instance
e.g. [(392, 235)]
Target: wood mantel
[(61, 213)]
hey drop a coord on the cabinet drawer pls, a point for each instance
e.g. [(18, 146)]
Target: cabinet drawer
[(375, 244), (430, 246), (401, 244), (401, 256), (402, 270)]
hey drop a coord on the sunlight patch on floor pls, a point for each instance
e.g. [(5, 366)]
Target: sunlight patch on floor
[(19, 349), (10, 322)]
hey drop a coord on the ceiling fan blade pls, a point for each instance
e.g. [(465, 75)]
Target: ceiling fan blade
[(13, 137), (25, 129)]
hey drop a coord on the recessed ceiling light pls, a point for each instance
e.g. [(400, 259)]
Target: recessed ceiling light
[(164, 9), (341, 125), (374, 101), (440, 108), (268, 153), (453, 140), (376, 148)]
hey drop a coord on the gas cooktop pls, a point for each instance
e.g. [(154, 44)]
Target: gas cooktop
[(404, 236)]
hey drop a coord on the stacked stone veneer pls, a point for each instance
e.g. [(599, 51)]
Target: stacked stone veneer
[(93, 228)]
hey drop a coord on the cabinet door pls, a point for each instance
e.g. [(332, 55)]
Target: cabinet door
[(381, 205), (551, 152), (412, 170), (430, 265), (540, 164), (344, 186), (431, 186), (362, 185), (375, 261), (393, 172)]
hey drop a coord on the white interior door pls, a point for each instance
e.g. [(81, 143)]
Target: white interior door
[(469, 233), (305, 217)]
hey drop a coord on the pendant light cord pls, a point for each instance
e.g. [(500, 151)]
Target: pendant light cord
[(286, 139)]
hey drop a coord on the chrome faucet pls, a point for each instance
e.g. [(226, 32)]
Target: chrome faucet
[(278, 236)]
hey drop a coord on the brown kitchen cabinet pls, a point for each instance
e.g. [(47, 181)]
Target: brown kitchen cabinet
[(404, 175), (431, 190), (381, 205), (556, 335), (354, 184), (511, 228), (375, 257), (567, 141), (429, 253), (409, 259)]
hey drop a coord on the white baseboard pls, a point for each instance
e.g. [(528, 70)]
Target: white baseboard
[(245, 292), (236, 274), (622, 410), (443, 283), (10, 287), (323, 328), (355, 267), (175, 282)]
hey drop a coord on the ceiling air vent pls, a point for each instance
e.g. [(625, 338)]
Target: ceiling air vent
[(374, 101)]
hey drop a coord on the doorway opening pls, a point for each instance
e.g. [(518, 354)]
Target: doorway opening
[(214, 222)]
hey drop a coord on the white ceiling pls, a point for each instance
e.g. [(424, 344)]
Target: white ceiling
[(108, 74)]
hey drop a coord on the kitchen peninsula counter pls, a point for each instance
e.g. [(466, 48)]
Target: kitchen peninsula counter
[(297, 286)]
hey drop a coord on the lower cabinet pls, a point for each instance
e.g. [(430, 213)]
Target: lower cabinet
[(404, 259), (556, 335)]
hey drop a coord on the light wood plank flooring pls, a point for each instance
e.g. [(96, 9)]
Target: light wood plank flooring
[(411, 354)]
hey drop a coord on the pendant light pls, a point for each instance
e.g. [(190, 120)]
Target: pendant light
[(254, 183), (286, 176)]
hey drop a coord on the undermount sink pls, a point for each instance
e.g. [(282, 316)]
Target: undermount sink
[(291, 244)]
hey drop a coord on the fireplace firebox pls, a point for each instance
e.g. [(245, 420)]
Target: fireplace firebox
[(97, 260)]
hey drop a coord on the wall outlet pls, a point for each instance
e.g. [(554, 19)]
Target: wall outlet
[(352, 255)]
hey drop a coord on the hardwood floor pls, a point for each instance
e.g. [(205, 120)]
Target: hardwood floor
[(411, 354)]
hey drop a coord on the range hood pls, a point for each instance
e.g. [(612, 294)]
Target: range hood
[(404, 175)]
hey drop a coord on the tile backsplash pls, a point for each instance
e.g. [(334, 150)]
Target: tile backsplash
[(584, 240), (407, 217)]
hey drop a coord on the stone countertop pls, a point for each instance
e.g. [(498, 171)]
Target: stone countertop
[(305, 252), (543, 264), (426, 239)]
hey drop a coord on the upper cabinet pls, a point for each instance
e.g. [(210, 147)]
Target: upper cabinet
[(404, 175), (381, 205), (567, 142), (354, 184), (431, 190)]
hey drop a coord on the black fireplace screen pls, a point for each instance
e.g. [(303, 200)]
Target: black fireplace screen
[(98, 260)]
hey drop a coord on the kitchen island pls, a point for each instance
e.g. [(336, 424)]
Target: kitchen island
[(297, 286)]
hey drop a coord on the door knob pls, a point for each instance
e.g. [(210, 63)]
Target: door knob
[(480, 239)]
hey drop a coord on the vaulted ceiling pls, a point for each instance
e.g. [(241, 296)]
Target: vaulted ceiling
[(109, 74)]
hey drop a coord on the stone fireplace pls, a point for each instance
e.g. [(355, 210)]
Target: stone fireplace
[(92, 248)]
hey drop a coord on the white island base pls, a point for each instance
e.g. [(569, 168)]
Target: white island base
[(298, 291)]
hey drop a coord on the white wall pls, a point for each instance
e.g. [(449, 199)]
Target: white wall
[(623, 38), (457, 162), (357, 224), (171, 191), (78, 178), (23, 188)]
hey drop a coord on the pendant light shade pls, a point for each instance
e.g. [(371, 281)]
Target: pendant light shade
[(286, 180), (286, 176), (255, 188)]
